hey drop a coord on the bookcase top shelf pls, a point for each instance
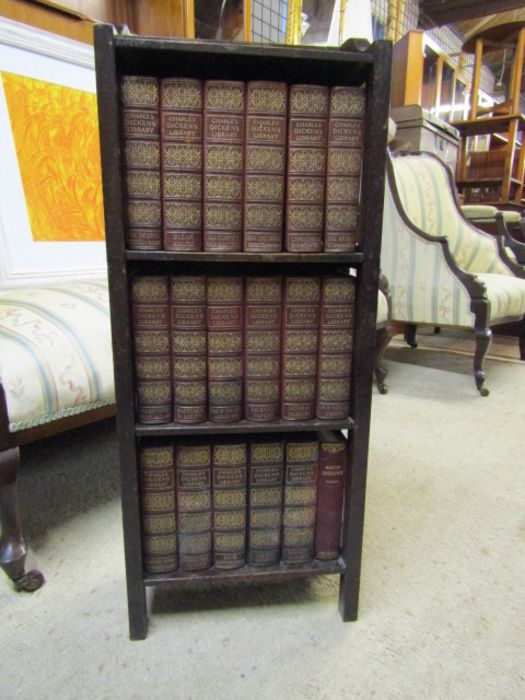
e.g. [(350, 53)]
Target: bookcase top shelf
[(280, 258), (244, 426)]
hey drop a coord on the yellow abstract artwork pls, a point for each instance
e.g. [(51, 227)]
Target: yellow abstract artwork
[(55, 131)]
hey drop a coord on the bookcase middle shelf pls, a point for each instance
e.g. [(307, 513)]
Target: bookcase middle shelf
[(204, 257), (243, 426)]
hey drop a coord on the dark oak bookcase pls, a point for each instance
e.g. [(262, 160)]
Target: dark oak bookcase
[(129, 55)]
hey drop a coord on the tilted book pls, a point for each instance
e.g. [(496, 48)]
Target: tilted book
[(307, 139), (335, 347), (300, 330), (188, 342), (157, 495), (262, 342), (193, 470), (229, 469), (265, 494), (141, 140), (330, 495), (151, 340), (181, 148), (265, 160), (223, 164), (343, 180)]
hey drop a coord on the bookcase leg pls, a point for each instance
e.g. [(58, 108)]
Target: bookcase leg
[(348, 598), (138, 611)]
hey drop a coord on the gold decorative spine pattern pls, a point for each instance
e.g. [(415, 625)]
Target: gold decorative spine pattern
[(229, 472)]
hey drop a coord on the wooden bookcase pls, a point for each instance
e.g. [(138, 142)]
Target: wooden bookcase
[(117, 56)]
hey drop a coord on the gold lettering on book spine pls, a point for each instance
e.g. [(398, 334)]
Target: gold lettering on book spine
[(182, 186), (176, 156), (266, 159), (302, 452), (182, 94), (266, 99), (156, 457), (299, 517), (229, 454), (308, 101), (333, 449), (228, 97), (140, 91)]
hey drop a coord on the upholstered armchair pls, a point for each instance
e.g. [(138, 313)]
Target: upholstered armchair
[(443, 271)]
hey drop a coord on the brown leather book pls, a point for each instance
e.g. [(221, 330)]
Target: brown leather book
[(225, 348), (300, 497), (151, 340), (181, 148), (193, 469), (229, 469), (141, 137), (307, 140), (262, 342), (330, 495), (157, 496), (335, 347), (265, 159), (299, 347), (188, 343), (343, 180), (223, 164), (266, 466)]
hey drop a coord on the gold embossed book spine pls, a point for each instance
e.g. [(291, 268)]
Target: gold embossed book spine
[(262, 342), (330, 495), (181, 154), (157, 496), (188, 342), (266, 467), (225, 348), (151, 338), (223, 165), (300, 496), (229, 469), (335, 347), (265, 159), (141, 141), (343, 180), (306, 168), (193, 471), (300, 338)]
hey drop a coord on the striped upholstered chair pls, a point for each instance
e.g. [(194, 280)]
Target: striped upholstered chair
[(442, 270)]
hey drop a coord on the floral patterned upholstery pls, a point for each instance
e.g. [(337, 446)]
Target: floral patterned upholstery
[(55, 351)]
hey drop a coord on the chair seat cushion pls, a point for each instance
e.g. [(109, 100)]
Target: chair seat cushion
[(382, 308), (488, 212), (55, 351), (506, 295)]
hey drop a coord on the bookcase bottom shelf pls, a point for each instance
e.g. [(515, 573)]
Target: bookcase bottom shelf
[(244, 426), (246, 574)]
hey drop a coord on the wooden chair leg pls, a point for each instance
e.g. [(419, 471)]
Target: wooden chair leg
[(410, 334), (383, 337), (483, 339), (12, 546)]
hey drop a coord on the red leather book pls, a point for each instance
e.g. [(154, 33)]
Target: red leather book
[(229, 470), (225, 348), (266, 465), (141, 136), (223, 164), (181, 149), (157, 496), (262, 342), (193, 469), (335, 347), (300, 496), (265, 158), (343, 180), (188, 343), (330, 495), (151, 339), (299, 347), (307, 140)]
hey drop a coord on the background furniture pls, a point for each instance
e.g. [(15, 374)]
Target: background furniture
[(384, 332)]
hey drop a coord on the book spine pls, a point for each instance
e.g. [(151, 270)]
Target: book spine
[(265, 502), (229, 464), (188, 343), (151, 338), (335, 347), (181, 157), (141, 141), (157, 495), (300, 496), (262, 342), (343, 179), (299, 347), (330, 496), (265, 158), (193, 469), (225, 348), (307, 140), (223, 164)]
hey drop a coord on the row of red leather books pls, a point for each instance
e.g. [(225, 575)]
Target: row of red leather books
[(235, 502), (224, 349), (232, 166)]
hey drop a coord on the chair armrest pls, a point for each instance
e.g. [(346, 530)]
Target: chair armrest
[(517, 247)]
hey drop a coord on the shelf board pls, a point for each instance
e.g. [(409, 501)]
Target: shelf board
[(484, 181), (244, 426), (488, 125), (283, 258), (186, 579)]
